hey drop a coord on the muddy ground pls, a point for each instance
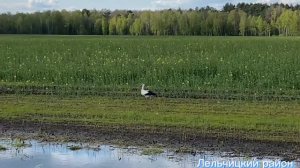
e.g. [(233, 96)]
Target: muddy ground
[(190, 141)]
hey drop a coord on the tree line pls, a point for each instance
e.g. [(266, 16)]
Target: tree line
[(242, 19)]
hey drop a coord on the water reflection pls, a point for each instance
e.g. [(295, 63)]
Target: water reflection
[(54, 155)]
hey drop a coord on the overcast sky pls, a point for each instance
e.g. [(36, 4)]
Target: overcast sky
[(40, 5)]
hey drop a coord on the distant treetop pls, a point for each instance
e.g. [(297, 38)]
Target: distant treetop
[(245, 19)]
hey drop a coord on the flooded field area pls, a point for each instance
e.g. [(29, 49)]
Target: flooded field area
[(35, 154)]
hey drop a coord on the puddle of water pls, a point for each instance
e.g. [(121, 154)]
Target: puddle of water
[(55, 155)]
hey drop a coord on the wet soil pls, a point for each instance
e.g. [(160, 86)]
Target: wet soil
[(189, 141)]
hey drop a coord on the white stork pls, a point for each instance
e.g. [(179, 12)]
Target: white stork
[(147, 93)]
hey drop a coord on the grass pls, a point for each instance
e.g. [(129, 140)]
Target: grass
[(152, 151), (18, 143), (2, 148), (214, 67), (95, 80), (271, 121), (74, 148), (186, 150)]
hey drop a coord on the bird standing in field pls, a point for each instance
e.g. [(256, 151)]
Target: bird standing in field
[(147, 93)]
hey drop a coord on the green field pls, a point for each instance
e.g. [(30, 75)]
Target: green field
[(213, 67), (249, 87), (268, 121)]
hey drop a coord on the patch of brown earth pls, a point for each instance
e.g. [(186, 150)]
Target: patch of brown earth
[(144, 136)]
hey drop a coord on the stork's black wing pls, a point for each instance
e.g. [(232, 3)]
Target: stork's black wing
[(150, 93)]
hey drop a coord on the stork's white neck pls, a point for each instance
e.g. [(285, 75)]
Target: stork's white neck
[(143, 85)]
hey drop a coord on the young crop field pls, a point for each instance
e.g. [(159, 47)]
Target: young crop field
[(188, 67), (245, 88)]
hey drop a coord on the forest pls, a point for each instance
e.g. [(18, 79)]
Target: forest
[(242, 19)]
